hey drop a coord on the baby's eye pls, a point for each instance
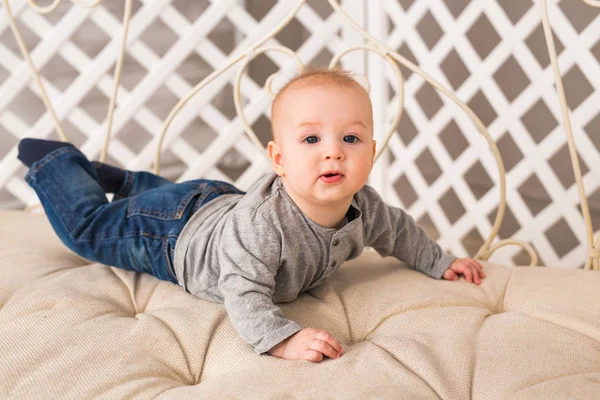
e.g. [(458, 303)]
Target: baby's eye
[(351, 139), (311, 139)]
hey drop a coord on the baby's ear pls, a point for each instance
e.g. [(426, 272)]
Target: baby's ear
[(276, 158), (374, 151)]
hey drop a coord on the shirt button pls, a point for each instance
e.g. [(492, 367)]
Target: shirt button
[(336, 242), (333, 264)]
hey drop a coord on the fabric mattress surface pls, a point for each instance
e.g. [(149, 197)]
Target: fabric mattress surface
[(74, 329)]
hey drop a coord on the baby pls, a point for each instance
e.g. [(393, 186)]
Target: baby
[(249, 251)]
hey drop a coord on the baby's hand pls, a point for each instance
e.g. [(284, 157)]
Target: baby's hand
[(470, 268), (308, 344)]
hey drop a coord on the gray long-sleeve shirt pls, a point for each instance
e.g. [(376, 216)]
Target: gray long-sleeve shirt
[(254, 250)]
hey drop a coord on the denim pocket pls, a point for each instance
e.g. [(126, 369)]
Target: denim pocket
[(166, 202)]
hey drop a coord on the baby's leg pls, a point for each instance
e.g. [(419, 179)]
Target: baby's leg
[(80, 214), (122, 183)]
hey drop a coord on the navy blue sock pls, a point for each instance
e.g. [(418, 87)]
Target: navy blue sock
[(32, 150), (111, 178)]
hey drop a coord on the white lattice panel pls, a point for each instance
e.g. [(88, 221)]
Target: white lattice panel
[(438, 166), (445, 173)]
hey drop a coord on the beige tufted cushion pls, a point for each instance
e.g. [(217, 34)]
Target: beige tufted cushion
[(71, 329)]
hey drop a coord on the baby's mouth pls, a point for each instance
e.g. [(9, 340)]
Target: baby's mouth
[(331, 177)]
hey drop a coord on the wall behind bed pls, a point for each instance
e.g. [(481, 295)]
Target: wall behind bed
[(492, 54)]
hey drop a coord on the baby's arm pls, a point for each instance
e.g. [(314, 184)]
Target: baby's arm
[(263, 325), (249, 259), (252, 312), (392, 232)]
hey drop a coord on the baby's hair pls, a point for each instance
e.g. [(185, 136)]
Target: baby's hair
[(311, 76)]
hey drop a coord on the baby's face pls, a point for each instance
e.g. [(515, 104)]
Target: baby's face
[(325, 142)]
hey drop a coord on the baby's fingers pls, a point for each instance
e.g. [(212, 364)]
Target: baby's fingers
[(450, 275), (330, 340), (324, 348), (313, 355), (476, 278), (477, 271), (479, 268), (468, 273)]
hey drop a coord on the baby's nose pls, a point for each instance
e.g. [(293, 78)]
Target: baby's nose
[(334, 152)]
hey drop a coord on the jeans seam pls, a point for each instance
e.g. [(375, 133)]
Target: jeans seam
[(158, 237), (104, 239)]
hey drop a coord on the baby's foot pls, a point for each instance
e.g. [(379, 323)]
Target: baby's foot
[(111, 178), (32, 150)]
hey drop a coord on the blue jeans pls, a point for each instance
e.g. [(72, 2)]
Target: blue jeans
[(137, 231)]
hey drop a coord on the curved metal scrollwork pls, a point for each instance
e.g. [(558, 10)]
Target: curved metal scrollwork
[(118, 70), (593, 259)]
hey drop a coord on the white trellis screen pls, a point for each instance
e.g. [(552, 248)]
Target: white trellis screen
[(492, 53), (438, 166)]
